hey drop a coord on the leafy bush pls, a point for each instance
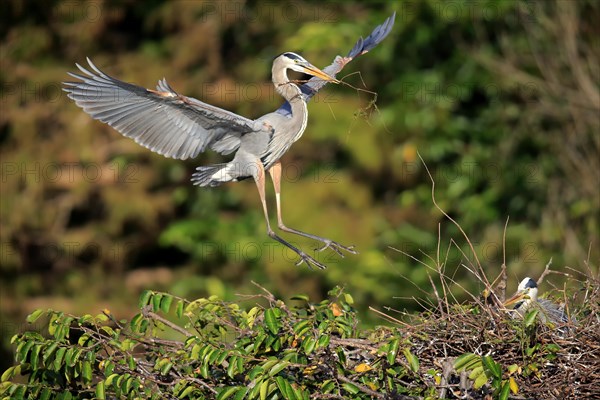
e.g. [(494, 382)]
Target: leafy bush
[(208, 348)]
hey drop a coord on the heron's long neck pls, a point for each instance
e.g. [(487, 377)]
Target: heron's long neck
[(289, 91), (292, 93)]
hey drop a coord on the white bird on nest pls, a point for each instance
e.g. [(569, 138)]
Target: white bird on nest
[(526, 299)]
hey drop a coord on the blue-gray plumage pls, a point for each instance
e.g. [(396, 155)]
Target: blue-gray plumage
[(526, 299), (181, 127)]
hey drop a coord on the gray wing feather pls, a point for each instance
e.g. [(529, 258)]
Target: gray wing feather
[(310, 88), (553, 311), (163, 121)]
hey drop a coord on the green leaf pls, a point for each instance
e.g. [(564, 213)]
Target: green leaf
[(480, 381), (71, 356), (227, 392), (309, 345), (255, 372), (553, 348), (260, 338), (241, 393), (300, 297), (393, 350), (110, 379), (467, 362), (231, 368), (131, 363), (413, 361), (136, 321), (285, 388), (108, 330), (23, 352), (302, 327), (476, 372), (264, 390), (145, 298), (195, 352), (341, 356), (323, 340), (16, 391), (101, 317), (251, 316), (277, 368), (109, 367), (327, 386), (15, 338), (505, 391), (350, 388), (156, 299), (34, 357), (179, 309), (100, 394), (298, 393), (165, 368), (82, 339), (204, 371), (492, 366), (31, 318), (529, 319), (144, 326), (58, 358), (86, 371), (188, 390), (223, 354), (45, 395), (211, 355), (52, 324), (10, 373), (86, 319), (271, 320), (348, 298), (165, 304), (240, 364)]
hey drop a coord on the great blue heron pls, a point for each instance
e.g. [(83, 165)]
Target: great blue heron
[(526, 299), (181, 127)]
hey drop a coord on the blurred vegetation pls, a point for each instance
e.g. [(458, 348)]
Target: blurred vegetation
[(500, 99)]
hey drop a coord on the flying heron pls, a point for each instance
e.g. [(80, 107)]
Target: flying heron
[(181, 127), (526, 298)]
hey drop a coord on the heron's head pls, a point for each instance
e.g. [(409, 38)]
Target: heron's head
[(526, 293), (295, 62)]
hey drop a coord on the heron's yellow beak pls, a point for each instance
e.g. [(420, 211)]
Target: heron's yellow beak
[(516, 298), (314, 71)]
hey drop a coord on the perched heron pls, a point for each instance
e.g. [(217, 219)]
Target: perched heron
[(181, 127), (526, 298)]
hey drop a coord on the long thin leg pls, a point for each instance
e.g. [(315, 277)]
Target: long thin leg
[(275, 172), (260, 184)]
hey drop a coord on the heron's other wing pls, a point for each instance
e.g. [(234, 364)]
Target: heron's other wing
[(161, 120), (310, 88)]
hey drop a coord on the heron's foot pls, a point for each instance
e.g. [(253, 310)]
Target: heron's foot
[(335, 246), (309, 261)]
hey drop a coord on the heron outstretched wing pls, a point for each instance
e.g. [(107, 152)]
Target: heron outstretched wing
[(310, 88), (161, 120)]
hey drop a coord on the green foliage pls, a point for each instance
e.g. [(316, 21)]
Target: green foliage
[(210, 348), (484, 370), (205, 348)]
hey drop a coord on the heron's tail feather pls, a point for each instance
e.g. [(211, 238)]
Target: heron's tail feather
[(211, 175)]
